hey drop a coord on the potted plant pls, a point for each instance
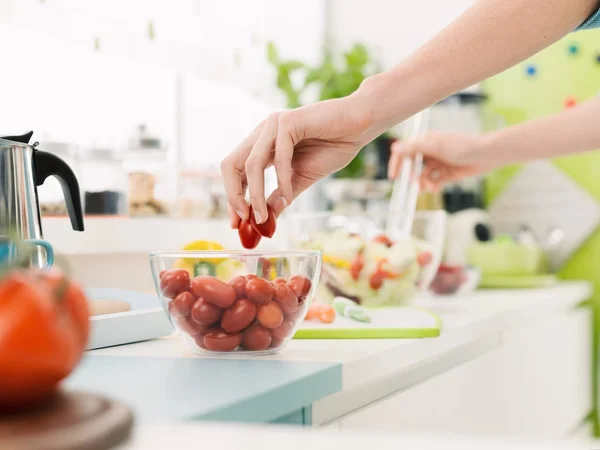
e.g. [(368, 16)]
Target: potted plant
[(333, 78)]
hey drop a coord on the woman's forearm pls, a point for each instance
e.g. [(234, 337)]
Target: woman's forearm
[(572, 131), (488, 38)]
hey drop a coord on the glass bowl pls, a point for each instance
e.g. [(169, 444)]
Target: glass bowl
[(228, 302), (363, 264)]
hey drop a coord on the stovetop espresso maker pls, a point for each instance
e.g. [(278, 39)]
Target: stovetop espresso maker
[(22, 169)]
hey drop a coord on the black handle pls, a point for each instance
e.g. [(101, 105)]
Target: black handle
[(46, 165), (23, 138)]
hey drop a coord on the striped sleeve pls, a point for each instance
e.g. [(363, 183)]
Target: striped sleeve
[(592, 22)]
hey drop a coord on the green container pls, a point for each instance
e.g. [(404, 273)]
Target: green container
[(507, 259)]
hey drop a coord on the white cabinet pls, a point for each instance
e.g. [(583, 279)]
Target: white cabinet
[(536, 384)]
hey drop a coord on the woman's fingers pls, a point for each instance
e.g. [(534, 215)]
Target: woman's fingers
[(284, 152), (257, 162), (234, 176)]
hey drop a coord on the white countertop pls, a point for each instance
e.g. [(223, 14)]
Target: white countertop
[(235, 437), (472, 326)]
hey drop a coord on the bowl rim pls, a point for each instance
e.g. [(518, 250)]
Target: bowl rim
[(234, 253)]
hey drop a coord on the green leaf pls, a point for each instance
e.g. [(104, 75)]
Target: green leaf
[(294, 65), (357, 57), (312, 76), (272, 53)]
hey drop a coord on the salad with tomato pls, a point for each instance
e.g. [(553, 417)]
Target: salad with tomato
[(371, 272)]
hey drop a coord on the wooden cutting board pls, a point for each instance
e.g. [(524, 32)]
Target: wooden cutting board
[(69, 421)]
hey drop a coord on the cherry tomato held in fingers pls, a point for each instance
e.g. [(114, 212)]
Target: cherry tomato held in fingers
[(259, 291), (239, 316), (174, 281), (268, 227), (214, 291), (249, 237), (205, 313), (270, 315), (181, 305), (256, 338), (218, 341)]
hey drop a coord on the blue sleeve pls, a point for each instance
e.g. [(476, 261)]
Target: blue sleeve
[(592, 22)]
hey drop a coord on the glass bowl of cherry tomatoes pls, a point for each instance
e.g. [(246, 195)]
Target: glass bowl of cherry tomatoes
[(229, 302)]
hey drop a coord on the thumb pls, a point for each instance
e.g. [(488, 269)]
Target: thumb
[(300, 183), (401, 149)]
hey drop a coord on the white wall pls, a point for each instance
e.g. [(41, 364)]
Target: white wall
[(58, 83), (392, 28)]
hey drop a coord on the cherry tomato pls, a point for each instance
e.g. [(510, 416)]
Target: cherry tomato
[(300, 285), (424, 258), (327, 315), (239, 284), (239, 316), (205, 313), (283, 331), (276, 343), (314, 311), (248, 235), (256, 338), (214, 291), (217, 340), (376, 280), (174, 281), (285, 296), (199, 338), (160, 275), (267, 228), (251, 276), (188, 327), (279, 280), (181, 305), (260, 291), (383, 239), (357, 266), (270, 315)]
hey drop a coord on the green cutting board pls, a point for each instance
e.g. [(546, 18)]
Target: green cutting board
[(386, 323)]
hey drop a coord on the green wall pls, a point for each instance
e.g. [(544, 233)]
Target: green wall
[(568, 70)]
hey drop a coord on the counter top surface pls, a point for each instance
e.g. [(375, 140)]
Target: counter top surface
[(234, 437), (157, 376)]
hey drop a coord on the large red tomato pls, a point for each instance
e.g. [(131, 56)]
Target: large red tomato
[(44, 328)]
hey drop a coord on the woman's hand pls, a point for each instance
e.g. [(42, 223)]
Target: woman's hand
[(447, 157), (304, 145)]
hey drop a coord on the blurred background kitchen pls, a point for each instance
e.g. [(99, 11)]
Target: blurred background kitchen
[(143, 98)]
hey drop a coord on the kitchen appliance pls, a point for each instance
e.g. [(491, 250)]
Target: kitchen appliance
[(22, 169)]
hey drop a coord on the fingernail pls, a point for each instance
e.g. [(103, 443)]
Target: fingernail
[(284, 202), (241, 214), (257, 216)]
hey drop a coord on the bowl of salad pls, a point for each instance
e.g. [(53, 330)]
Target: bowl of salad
[(364, 264)]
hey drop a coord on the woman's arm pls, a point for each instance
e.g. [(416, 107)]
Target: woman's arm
[(454, 156), (572, 131), (490, 37)]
